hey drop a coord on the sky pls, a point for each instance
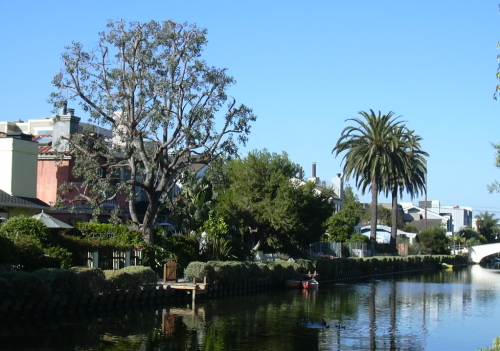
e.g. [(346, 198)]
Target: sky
[(304, 67)]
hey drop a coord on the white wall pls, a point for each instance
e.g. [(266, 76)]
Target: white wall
[(18, 162)]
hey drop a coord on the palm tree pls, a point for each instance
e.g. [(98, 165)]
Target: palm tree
[(368, 146), (408, 172), (487, 225)]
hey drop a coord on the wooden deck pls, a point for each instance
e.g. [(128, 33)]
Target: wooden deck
[(192, 288)]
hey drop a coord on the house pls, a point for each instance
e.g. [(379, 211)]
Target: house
[(384, 233), (52, 164), (422, 218), (459, 217), (18, 179)]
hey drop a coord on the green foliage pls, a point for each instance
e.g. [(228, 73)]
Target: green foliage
[(22, 286), (382, 154), (218, 246), (58, 281), (266, 208), (27, 252), (469, 237), (181, 248), (359, 238), (190, 209), (433, 241), (62, 256), (20, 227), (362, 267), (340, 226), (92, 280), (109, 235), (179, 105), (6, 250), (130, 278), (487, 226), (496, 342), (410, 228), (230, 273)]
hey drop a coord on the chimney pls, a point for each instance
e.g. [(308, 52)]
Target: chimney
[(314, 170), (64, 126)]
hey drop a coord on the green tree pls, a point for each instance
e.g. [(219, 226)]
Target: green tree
[(487, 226), (267, 207), (149, 84), (407, 172), (368, 147), (340, 226), (217, 245), (433, 241), (495, 186)]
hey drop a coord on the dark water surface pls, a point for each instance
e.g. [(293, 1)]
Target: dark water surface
[(442, 311)]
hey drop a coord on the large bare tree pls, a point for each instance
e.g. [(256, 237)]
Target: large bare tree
[(166, 106)]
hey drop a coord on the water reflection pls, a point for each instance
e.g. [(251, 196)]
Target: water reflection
[(431, 312)]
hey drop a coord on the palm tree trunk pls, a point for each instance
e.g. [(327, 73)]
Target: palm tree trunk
[(394, 218), (373, 222)]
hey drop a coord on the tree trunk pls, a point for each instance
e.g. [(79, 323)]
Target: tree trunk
[(373, 222), (149, 219), (394, 219)]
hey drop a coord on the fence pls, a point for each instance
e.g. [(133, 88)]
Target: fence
[(332, 249)]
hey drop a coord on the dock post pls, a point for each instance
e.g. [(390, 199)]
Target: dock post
[(193, 298)]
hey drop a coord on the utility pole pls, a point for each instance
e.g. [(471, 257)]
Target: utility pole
[(425, 208)]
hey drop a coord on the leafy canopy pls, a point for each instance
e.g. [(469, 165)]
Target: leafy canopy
[(168, 109)]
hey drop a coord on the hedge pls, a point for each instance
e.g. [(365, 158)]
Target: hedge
[(130, 278), (359, 267), (49, 282), (236, 272)]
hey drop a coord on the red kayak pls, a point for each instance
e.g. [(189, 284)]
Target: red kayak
[(310, 284)]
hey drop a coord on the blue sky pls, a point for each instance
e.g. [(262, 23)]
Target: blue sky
[(304, 67)]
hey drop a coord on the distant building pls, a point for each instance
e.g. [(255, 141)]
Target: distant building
[(460, 217), (337, 186), (416, 216)]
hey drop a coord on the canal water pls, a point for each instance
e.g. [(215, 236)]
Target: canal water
[(448, 310)]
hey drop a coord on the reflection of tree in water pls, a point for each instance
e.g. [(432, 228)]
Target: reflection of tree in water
[(379, 314)]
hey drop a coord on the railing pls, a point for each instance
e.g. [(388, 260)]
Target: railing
[(335, 249)]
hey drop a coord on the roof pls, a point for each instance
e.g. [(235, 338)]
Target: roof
[(51, 222), (7, 200)]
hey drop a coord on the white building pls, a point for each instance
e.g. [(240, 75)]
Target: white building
[(460, 216)]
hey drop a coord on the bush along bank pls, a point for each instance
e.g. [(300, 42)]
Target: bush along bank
[(358, 268), (59, 291), (234, 277)]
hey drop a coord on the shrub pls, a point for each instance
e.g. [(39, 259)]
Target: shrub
[(433, 241), (22, 286), (359, 238), (197, 270), (130, 278), (236, 272), (183, 249), (91, 280), (21, 226), (61, 256), (58, 281), (112, 235), (6, 250)]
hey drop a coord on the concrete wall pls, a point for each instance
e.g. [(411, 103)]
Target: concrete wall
[(18, 159)]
